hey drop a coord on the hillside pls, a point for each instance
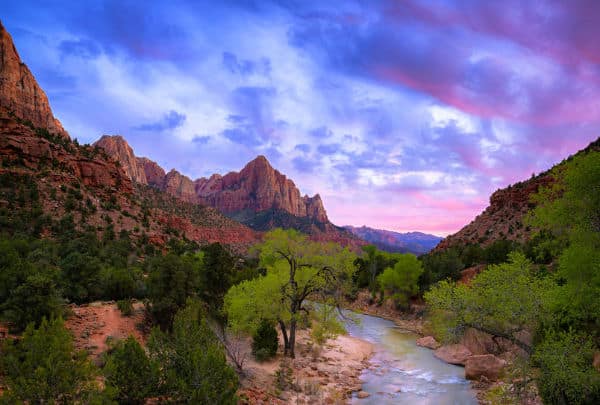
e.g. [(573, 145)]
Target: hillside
[(49, 181), (395, 242), (503, 218)]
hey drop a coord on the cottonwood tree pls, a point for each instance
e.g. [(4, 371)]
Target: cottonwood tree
[(298, 270), (401, 280)]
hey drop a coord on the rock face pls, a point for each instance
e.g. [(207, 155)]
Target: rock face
[(484, 365), (119, 149), (19, 92), (258, 187), (453, 354)]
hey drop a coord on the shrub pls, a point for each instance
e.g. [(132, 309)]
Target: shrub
[(43, 367), (566, 372), (265, 341), (130, 373), (125, 306)]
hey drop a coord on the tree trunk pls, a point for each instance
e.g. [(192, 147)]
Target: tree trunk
[(286, 342), (292, 337)]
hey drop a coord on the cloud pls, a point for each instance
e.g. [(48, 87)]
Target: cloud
[(169, 121)]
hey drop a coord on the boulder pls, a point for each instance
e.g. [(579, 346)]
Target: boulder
[(486, 365), (428, 342), (362, 394), (453, 354)]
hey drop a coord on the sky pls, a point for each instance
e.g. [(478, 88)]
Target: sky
[(402, 115)]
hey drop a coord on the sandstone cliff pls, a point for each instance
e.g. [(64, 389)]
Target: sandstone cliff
[(258, 187), (20, 94)]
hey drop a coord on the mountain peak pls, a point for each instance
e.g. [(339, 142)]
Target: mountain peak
[(20, 93)]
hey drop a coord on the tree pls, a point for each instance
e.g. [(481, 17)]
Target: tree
[(297, 270), (193, 365), (130, 373), (401, 280), (43, 367), (567, 375), (440, 266), (265, 341), (172, 280), (217, 275), (502, 300), (372, 263)]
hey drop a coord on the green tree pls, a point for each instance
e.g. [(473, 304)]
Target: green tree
[(401, 280), (172, 280), (265, 341), (217, 275), (502, 300), (43, 367), (297, 270), (130, 373), (194, 369), (566, 372), (440, 266)]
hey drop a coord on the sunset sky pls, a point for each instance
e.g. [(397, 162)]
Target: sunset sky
[(402, 115)]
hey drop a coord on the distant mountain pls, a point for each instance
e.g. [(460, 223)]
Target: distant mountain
[(258, 196), (410, 242), (503, 218)]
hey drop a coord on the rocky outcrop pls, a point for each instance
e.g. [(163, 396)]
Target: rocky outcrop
[(20, 93), (484, 365), (453, 354), (179, 186), (428, 342), (154, 174), (258, 187), (120, 150)]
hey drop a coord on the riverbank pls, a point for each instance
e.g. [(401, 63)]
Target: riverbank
[(327, 374)]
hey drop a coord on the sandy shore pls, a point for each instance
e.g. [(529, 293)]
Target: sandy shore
[(324, 375)]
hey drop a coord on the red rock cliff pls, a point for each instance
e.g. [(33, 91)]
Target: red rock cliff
[(19, 91), (257, 187)]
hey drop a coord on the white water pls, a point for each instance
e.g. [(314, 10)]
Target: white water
[(402, 372)]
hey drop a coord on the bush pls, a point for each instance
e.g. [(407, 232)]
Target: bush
[(43, 367), (130, 373), (194, 369), (265, 341), (125, 306), (566, 372)]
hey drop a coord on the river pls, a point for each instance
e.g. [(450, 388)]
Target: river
[(402, 372)]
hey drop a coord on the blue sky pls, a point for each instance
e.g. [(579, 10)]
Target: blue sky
[(403, 115)]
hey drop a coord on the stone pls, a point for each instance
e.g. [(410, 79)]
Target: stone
[(362, 394), (428, 342), (453, 354), (483, 365)]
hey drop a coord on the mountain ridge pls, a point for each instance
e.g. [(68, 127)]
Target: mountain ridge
[(396, 242)]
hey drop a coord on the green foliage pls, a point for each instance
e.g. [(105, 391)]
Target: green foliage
[(501, 300), (401, 280), (193, 365), (438, 266), (43, 367), (118, 283), (265, 341), (130, 373), (81, 276), (172, 280), (297, 270), (125, 306), (567, 375), (217, 275), (371, 264)]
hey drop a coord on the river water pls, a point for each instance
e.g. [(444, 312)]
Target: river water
[(402, 372)]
